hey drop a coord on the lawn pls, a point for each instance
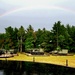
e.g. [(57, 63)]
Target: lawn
[(58, 60)]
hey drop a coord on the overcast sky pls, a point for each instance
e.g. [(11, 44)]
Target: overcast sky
[(38, 13)]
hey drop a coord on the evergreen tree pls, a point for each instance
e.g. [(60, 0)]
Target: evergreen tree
[(21, 36)]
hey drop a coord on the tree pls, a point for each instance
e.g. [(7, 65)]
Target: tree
[(71, 39), (30, 38), (15, 38), (21, 36), (61, 41), (8, 36), (2, 40), (60, 35), (43, 39), (56, 33)]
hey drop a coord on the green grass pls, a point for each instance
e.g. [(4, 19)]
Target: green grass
[(59, 60)]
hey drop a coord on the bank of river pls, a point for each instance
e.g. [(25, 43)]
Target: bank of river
[(57, 60)]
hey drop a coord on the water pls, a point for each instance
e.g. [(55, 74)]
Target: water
[(30, 68)]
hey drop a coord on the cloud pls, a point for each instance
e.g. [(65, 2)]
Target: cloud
[(38, 13)]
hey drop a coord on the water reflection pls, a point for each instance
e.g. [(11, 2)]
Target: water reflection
[(29, 68)]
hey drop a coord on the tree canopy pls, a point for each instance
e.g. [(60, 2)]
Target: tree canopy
[(22, 39)]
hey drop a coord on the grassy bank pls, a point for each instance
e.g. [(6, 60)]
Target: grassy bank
[(59, 60)]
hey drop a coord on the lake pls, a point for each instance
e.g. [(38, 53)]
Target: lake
[(32, 68)]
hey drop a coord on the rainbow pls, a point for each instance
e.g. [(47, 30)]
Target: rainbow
[(35, 8)]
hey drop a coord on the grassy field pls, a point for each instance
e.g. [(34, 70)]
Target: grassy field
[(58, 60)]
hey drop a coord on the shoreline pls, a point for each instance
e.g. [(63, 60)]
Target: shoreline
[(67, 61)]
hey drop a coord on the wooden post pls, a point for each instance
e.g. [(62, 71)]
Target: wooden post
[(66, 63), (33, 59)]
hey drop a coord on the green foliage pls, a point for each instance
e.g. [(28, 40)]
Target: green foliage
[(60, 37), (30, 38), (7, 47), (58, 48), (2, 39), (29, 43), (21, 36)]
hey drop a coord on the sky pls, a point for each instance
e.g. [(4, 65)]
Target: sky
[(38, 13)]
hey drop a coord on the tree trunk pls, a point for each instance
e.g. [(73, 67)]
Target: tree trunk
[(21, 45)]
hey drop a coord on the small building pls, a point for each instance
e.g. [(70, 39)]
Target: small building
[(37, 51), (63, 52)]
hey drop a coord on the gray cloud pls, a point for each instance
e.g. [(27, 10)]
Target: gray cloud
[(38, 18)]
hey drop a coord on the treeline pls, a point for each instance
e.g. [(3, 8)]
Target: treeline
[(60, 37)]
